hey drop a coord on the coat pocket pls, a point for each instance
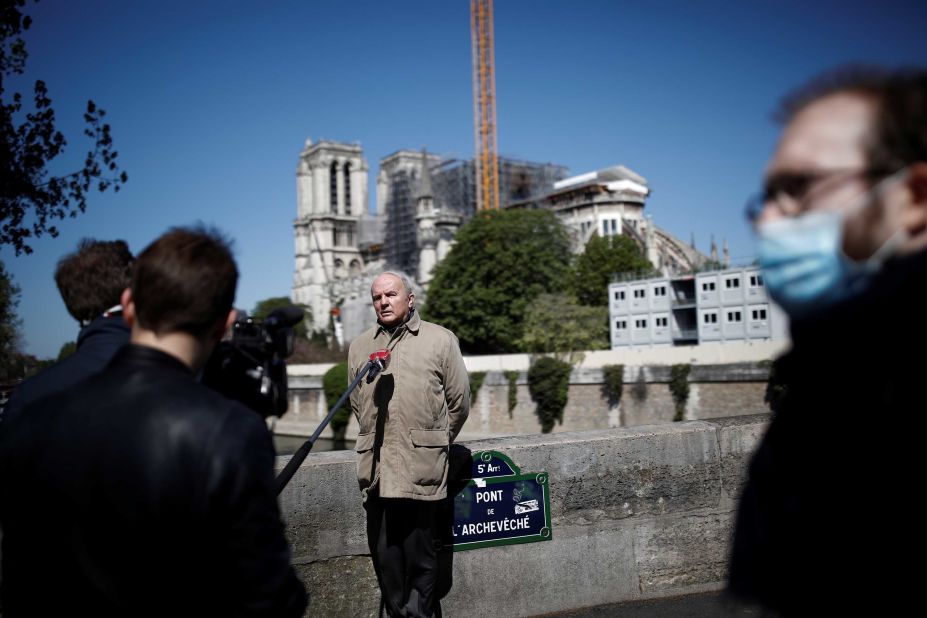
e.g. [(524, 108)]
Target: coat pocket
[(429, 456), (365, 463)]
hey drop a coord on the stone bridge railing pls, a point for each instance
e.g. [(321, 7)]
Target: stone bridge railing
[(637, 512)]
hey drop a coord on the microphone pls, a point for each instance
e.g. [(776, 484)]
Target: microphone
[(379, 360), (283, 317)]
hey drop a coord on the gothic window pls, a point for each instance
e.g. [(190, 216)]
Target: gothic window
[(333, 186), (347, 188)]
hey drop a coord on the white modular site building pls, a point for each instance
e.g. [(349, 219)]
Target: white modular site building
[(712, 306)]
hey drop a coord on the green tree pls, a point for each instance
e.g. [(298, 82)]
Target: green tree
[(501, 261), (334, 383), (30, 198), (67, 349), (602, 259), (9, 326), (556, 324), (264, 308)]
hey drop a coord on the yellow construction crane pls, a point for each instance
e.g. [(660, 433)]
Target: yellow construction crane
[(484, 105)]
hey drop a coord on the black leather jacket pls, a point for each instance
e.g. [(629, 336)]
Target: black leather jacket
[(97, 343), (141, 492)]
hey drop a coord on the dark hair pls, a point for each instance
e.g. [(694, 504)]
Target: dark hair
[(899, 133), (91, 279), (185, 282)]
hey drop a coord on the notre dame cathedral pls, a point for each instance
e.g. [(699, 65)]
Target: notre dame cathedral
[(421, 201)]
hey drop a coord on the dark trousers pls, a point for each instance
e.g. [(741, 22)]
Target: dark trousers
[(403, 539)]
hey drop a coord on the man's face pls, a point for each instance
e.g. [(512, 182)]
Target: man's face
[(390, 300), (820, 164)]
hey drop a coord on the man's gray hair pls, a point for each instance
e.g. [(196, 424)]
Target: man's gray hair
[(406, 282)]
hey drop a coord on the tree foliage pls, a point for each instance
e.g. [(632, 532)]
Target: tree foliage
[(334, 383), (549, 383), (603, 258), (501, 261), (67, 348), (263, 308), (31, 198), (9, 324), (556, 324)]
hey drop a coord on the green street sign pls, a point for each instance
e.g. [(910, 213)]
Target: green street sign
[(500, 505)]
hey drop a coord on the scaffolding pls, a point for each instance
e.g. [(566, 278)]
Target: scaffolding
[(454, 183)]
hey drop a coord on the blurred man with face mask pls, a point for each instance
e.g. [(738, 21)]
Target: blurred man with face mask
[(825, 519)]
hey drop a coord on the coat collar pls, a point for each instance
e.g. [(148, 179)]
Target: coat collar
[(413, 324)]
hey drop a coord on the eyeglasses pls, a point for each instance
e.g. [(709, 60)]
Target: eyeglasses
[(792, 192)]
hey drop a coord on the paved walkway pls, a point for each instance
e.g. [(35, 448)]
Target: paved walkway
[(706, 605)]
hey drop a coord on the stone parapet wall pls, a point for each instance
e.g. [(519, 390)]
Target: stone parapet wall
[(714, 391), (637, 513)]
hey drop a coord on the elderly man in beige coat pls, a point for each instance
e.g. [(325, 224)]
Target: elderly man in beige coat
[(409, 414)]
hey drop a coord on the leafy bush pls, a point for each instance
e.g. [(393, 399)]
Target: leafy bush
[(679, 388), (476, 381), (334, 383), (548, 383), (613, 383), (512, 377)]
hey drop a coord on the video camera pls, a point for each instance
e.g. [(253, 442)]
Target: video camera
[(251, 367)]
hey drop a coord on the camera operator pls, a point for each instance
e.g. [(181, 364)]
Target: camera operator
[(249, 364), (91, 281), (145, 492)]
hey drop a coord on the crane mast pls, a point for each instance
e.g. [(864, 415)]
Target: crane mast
[(484, 105)]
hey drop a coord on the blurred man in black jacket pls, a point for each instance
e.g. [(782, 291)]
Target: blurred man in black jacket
[(91, 281), (141, 492), (828, 521)]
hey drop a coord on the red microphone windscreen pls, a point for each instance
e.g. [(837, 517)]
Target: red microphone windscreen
[(381, 356)]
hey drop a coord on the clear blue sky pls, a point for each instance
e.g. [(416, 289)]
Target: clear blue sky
[(210, 103)]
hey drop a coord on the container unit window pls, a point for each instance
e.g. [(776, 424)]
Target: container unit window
[(640, 324), (710, 318), (732, 283), (734, 317), (756, 280), (621, 324), (661, 322), (640, 293), (619, 295), (708, 286), (758, 315), (659, 291)]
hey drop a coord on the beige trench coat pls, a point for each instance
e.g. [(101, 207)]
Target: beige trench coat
[(410, 413)]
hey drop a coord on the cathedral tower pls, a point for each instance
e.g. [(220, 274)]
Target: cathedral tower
[(331, 190)]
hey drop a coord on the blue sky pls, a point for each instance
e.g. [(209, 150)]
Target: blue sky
[(210, 104)]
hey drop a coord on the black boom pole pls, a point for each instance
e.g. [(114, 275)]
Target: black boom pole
[(377, 360)]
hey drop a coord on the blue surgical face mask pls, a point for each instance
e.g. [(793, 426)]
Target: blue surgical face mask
[(804, 266)]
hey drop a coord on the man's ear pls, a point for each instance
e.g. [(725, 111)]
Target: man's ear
[(128, 307), (226, 325), (411, 299), (915, 214)]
